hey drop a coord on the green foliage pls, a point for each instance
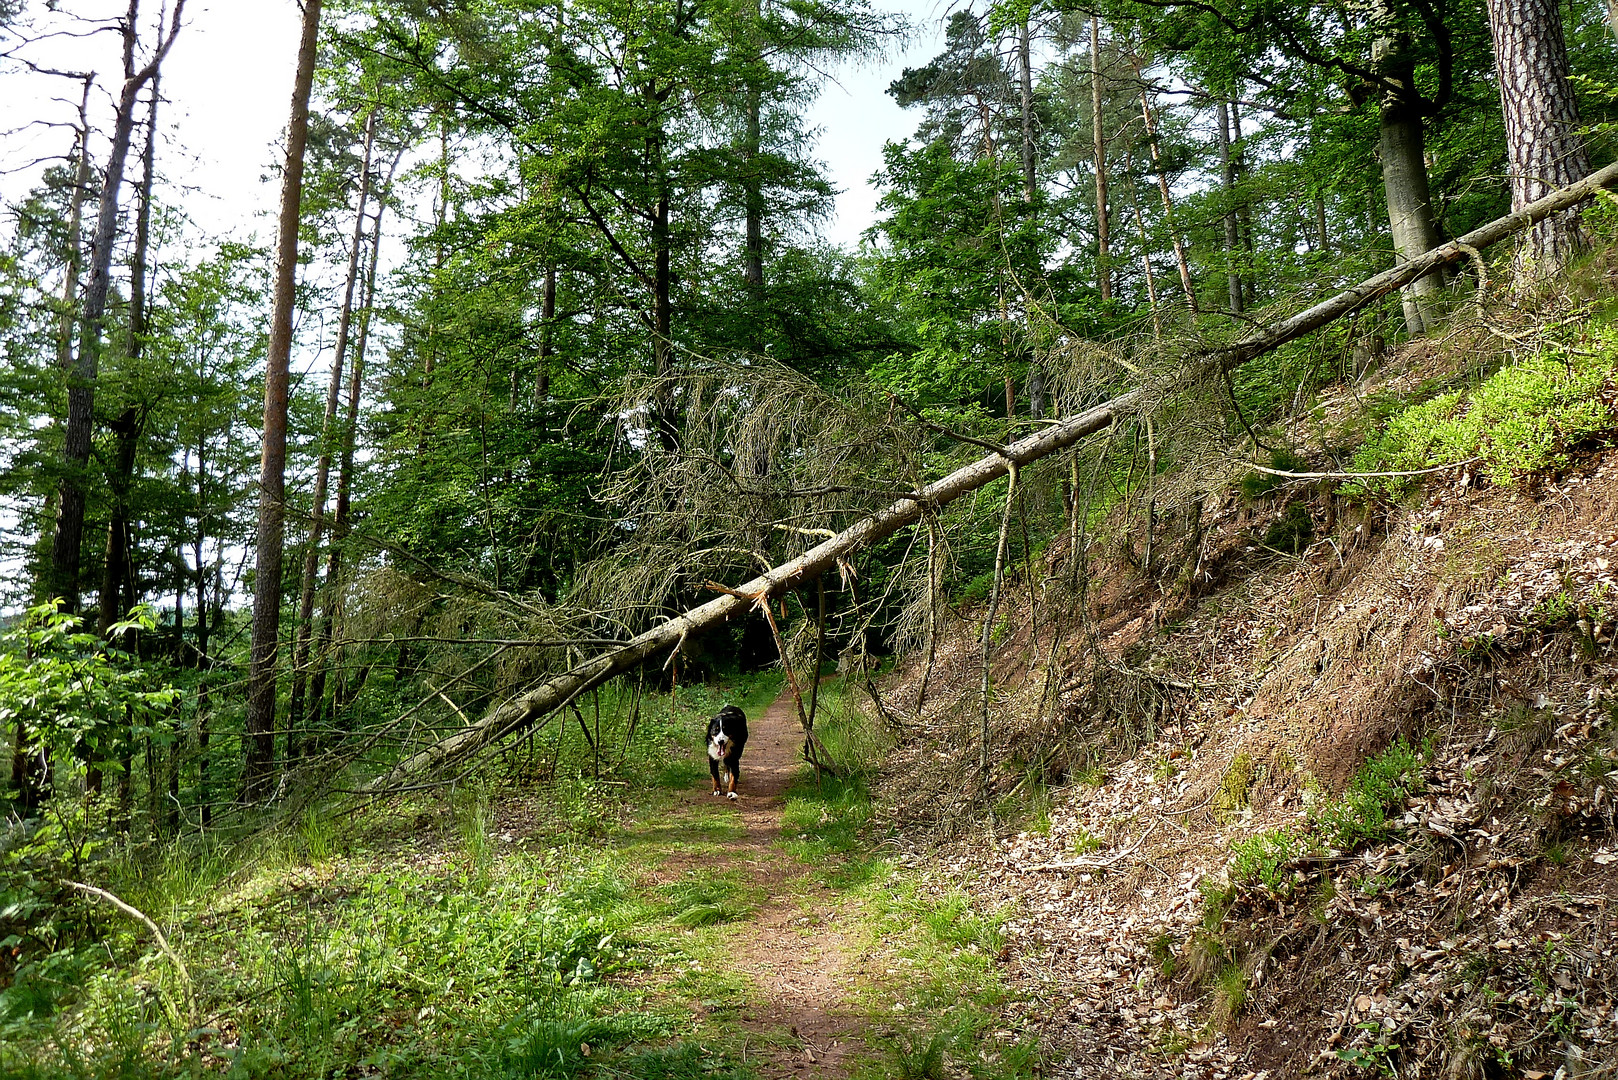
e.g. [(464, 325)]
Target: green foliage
[(1522, 419), (72, 693), (1229, 995), (1360, 815), (955, 238), (1378, 1053), (918, 1055), (1262, 858), (1255, 484), (1162, 950)]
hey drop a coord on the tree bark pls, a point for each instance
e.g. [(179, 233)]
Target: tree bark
[(317, 515), (67, 543), (1543, 147), (1404, 168), (259, 735), (1098, 133), (1227, 165)]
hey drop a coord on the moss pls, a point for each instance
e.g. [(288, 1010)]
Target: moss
[(1232, 793)]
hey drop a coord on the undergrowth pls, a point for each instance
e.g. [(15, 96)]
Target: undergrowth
[(1521, 419), (486, 932), (1360, 815), (431, 937)]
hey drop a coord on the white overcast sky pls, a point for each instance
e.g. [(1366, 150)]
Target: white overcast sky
[(228, 82)]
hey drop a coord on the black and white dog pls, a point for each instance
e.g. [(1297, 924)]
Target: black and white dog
[(727, 735)]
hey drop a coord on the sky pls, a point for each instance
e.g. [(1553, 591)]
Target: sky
[(228, 83)]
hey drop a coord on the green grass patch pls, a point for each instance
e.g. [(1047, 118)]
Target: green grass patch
[(705, 898), (823, 818)]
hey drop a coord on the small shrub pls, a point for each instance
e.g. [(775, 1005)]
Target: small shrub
[(1520, 420), (1292, 533), (1263, 858), (1361, 814), (1256, 485)]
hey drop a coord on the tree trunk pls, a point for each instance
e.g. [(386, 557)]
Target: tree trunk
[(67, 543), (1244, 207), (1543, 147), (1025, 90), (1404, 168), (547, 338), (30, 765), (518, 713), (1098, 132), (128, 426), (259, 735), (75, 238), (1227, 164), (1163, 191), (1145, 257), (317, 515), (753, 263), (332, 611)]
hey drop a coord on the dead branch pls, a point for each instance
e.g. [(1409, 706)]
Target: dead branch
[(162, 942), (1096, 864)]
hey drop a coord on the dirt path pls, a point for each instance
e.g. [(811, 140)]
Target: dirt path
[(794, 949)]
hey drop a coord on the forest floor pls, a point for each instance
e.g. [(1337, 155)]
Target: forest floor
[(1359, 822)]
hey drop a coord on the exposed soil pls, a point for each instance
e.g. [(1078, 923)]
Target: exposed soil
[(1474, 940), (793, 949)]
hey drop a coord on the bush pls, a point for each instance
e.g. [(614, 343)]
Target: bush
[(1292, 532), (1522, 419)]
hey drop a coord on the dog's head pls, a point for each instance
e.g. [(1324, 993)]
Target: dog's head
[(719, 745)]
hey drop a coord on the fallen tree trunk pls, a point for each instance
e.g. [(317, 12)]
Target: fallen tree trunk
[(554, 693)]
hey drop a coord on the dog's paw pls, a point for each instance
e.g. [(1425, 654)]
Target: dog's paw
[(731, 795), (716, 791)]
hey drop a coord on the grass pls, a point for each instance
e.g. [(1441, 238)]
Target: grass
[(491, 932), (425, 938)]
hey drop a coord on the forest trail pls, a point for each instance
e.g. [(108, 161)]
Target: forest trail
[(793, 950)]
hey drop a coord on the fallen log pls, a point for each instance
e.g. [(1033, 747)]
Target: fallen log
[(554, 693)]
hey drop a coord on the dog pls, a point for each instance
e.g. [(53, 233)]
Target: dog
[(727, 735)]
